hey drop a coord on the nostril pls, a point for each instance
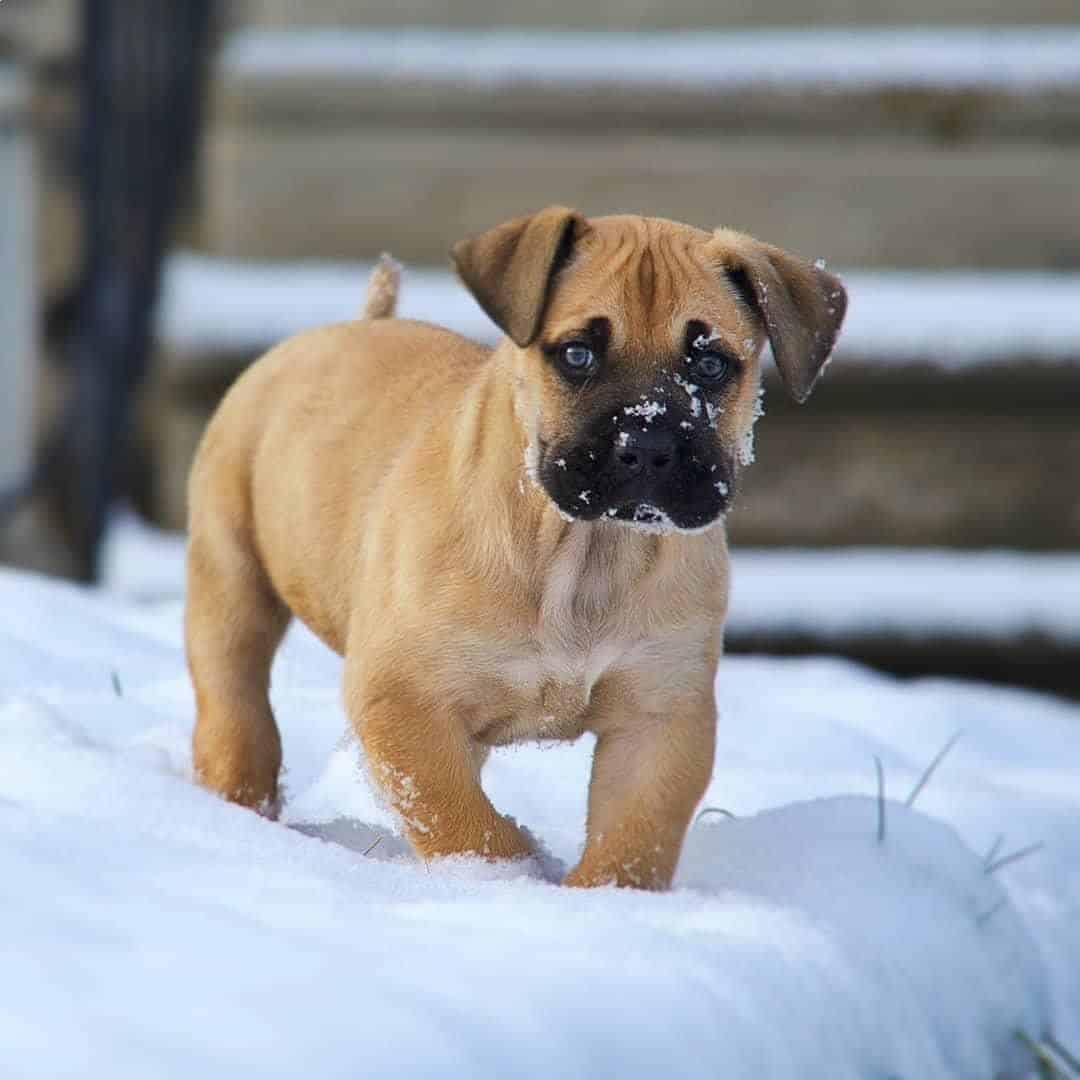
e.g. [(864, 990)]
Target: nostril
[(661, 461), (630, 459)]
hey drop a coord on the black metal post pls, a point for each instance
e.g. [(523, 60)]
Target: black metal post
[(142, 82)]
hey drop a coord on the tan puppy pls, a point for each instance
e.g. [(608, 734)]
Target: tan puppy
[(509, 544)]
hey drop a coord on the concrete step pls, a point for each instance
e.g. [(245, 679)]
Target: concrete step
[(950, 84), (890, 149), (947, 417), (642, 14)]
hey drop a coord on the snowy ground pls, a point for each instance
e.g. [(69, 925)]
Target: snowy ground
[(154, 931)]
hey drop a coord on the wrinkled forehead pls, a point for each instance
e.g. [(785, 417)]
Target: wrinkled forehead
[(649, 277)]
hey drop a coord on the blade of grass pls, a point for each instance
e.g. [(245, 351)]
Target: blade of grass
[(880, 800), (939, 757), (1016, 856)]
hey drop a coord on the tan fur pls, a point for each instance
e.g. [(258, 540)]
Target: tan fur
[(373, 478), (382, 291)]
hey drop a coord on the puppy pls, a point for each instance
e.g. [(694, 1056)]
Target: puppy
[(505, 544)]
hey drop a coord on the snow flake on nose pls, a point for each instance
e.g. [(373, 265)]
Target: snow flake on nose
[(647, 410)]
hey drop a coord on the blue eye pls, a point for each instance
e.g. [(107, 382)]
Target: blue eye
[(578, 357), (712, 367)]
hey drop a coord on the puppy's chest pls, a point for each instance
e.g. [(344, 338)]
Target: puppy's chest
[(544, 688), (547, 676)]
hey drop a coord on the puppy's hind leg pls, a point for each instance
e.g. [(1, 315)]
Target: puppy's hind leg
[(234, 623)]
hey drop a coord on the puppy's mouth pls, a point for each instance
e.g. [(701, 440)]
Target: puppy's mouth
[(689, 489)]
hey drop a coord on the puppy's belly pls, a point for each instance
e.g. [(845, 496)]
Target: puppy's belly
[(547, 707), (558, 711), (540, 694)]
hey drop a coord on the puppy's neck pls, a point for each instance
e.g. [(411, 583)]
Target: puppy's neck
[(514, 519)]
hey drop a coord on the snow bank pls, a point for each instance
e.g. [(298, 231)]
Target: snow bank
[(699, 61), (964, 318), (154, 931)]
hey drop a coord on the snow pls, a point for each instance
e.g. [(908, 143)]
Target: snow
[(226, 305), (990, 596), (950, 320), (970, 58), (959, 319), (155, 931)]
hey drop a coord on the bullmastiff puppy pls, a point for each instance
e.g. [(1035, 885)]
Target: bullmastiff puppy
[(508, 544)]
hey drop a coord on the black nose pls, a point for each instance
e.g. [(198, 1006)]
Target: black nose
[(651, 453)]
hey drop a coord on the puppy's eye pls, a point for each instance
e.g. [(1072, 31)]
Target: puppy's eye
[(712, 367), (577, 358)]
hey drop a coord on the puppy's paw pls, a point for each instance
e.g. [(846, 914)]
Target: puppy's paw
[(631, 874)]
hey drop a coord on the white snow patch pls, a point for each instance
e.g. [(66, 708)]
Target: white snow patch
[(1021, 58), (989, 596), (647, 410), (691, 392)]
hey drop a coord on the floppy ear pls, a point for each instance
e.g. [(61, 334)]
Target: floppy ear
[(801, 306), (509, 268)]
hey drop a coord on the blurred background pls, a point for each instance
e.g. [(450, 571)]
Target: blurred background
[(183, 184)]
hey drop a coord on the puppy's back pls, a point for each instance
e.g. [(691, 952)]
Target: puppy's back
[(303, 441)]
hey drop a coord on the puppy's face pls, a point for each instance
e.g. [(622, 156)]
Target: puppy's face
[(638, 372)]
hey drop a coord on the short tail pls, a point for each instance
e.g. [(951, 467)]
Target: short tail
[(382, 291)]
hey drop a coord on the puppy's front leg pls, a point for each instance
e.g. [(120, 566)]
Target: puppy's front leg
[(649, 771), (427, 767)]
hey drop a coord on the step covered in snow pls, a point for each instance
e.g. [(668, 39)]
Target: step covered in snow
[(888, 148)]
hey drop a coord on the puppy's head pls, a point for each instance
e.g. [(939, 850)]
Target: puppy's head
[(638, 354)]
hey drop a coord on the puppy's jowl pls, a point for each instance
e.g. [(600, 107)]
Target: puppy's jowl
[(508, 544)]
